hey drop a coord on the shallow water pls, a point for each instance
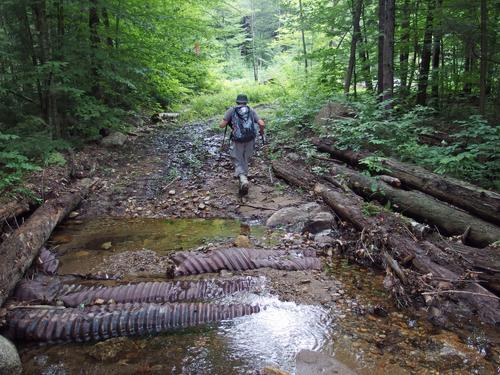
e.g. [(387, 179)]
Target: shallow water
[(271, 337), (83, 245), (395, 342)]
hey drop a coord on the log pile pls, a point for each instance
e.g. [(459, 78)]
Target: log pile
[(21, 248), (386, 241), (479, 202), (422, 207)]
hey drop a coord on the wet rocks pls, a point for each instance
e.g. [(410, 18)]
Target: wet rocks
[(115, 139), (325, 238), (320, 222), (310, 217), (316, 363), (108, 350), (242, 241), (10, 363)]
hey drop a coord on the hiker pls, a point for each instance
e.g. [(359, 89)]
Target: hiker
[(243, 120)]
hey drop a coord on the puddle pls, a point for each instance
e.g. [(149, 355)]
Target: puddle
[(81, 246)]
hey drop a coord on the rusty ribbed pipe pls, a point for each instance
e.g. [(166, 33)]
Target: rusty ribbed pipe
[(102, 322), (159, 292), (237, 259)]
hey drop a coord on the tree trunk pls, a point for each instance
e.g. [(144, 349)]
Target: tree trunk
[(356, 33), (20, 249), (94, 45), (423, 77), (449, 220), (436, 51), (468, 66), (380, 63), (404, 52), (254, 57), (304, 47), (365, 57), (480, 202), (415, 46), (105, 19), (483, 80), (385, 232), (388, 54), (13, 209)]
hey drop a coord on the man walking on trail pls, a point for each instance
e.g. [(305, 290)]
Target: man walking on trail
[(243, 120)]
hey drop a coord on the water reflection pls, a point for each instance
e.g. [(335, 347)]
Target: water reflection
[(275, 335)]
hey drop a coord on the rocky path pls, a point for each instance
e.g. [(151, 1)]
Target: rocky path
[(179, 171)]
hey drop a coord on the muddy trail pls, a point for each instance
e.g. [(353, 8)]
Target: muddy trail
[(172, 190)]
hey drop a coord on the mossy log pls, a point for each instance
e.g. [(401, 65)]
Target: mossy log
[(386, 232), (479, 202), (20, 249), (422, 207), (13, 209)]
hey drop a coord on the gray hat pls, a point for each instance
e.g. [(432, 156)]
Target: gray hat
[(242, 99)]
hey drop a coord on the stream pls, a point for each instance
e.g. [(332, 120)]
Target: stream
[(348, 319)]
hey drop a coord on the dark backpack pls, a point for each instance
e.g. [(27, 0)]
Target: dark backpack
[(242, 122)]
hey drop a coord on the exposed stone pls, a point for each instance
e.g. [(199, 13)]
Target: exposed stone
[(309, 217), (108, 350), (317, 363), (10, 363), (286, 216), (115, 139), (106, 245), (242, 241), (324, 238), (273, 371), (321, 221)]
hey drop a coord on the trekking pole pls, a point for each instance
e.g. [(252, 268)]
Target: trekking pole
[(222, 146)]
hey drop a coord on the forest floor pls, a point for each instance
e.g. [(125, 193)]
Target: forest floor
[(178, 172)]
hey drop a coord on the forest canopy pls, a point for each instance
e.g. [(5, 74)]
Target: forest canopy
[(411, 69)]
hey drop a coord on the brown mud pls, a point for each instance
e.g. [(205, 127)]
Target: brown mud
[(152, 197)]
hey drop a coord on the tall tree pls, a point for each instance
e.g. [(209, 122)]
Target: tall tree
[(404, 53), (356, 34), (381, 37), (423, 78), (303, 34), (483, 79), (389, 14), (436, 49)]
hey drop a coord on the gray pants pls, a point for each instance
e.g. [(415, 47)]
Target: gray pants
[(241, 153)]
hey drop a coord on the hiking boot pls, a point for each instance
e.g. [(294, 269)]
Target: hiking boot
[(243, 185)]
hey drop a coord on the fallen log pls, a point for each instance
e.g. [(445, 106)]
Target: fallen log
[(480, 202), (13, 209), (484, 264), (385, 232), (449, 220), (20, 249)]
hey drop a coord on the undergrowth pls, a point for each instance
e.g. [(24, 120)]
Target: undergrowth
[(469, 152)]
